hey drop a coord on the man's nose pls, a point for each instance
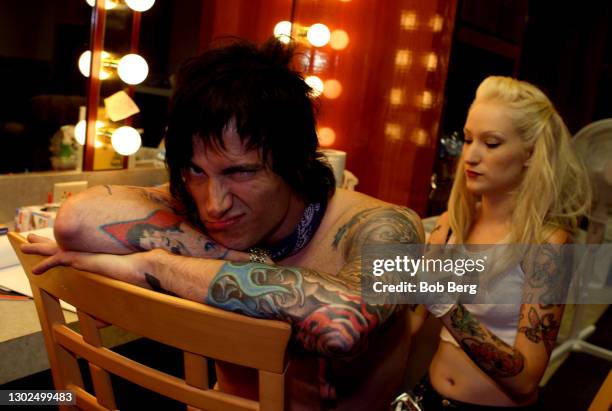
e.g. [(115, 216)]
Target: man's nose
[(219, 199)]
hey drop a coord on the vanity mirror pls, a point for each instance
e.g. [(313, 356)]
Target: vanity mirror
[(41, 46), (42, 88), (136, 47)]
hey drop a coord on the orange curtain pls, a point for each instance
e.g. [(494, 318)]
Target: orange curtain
[(384, 74)]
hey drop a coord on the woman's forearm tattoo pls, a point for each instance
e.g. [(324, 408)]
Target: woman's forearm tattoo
[(490, 354)]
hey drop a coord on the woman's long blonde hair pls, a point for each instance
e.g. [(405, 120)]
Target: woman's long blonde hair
[(555, 190)]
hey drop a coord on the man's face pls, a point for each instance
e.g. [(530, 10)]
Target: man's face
[(240, 201)]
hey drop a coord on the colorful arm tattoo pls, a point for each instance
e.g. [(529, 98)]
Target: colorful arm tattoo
[(546, 281), (380, 225), (488, 352), (543, 326), (326, 319), (326, 311), (163, 229), (546, 277), (540, 323)]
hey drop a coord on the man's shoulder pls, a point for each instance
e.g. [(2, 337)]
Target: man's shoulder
[(347, 204), (352, 211)]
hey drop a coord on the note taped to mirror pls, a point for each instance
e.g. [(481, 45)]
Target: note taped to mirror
[(120, 106)]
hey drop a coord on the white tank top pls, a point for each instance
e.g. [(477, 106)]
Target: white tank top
[(501, 319)]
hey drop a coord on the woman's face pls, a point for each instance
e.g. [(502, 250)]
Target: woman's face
[(493, 153)]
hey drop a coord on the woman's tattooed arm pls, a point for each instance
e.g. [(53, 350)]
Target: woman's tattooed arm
[(518, 368), (488, 352)]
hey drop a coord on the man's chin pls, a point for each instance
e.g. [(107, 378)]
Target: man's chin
[(234, 244)]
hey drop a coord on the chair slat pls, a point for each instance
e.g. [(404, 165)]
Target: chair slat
[(150, 378), (102, 386), (100, 378), (85, 401), (64, 366), (271, 391), (196, 370)]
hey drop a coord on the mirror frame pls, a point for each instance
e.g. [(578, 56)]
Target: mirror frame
[(98, 27)]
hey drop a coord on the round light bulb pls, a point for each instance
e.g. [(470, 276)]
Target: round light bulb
[(79, 132), (126, 140), (339, 39), (108, 4), (85, 64), (316, 84), (327, 136), (282, 31), (140, 5), (318, 35), (132, 69), (332, 88)]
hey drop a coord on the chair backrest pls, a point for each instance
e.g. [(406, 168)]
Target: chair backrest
[(200, 331)]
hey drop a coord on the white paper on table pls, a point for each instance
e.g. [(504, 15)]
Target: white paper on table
[(12, 276), (8, 258)]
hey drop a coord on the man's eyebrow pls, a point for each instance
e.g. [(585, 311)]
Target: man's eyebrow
[(243, 167), (194, 165)]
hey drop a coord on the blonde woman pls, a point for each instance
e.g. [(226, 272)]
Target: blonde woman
[(518, 182)]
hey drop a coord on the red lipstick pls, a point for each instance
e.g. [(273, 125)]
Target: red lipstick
[(472, 174)]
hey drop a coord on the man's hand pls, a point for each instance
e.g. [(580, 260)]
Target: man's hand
[(157, 269), (128, 268)]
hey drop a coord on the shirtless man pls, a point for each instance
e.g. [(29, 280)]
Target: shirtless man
[(246, 184)]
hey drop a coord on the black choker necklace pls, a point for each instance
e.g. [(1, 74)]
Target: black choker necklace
[(294, 242)]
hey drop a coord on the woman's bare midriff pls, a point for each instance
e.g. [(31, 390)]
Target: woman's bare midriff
[(454, 375)]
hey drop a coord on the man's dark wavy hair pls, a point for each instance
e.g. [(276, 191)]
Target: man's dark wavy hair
[(271, 106)]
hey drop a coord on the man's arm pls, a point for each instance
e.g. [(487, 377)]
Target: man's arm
[(124, 219), (327, 311)]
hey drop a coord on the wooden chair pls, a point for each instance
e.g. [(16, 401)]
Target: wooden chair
[(603, 398), (198, 330)]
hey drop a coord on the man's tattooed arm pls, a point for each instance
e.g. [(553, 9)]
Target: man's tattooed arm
[(327, 311), (123, 220), (327, 318), (164, 229), (155, 284)]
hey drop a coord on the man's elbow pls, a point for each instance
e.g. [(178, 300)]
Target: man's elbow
[(341, 349), (67, 227), (333, 342)]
